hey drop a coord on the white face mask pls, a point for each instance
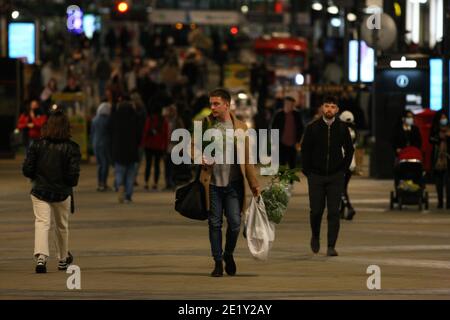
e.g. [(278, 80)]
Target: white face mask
[(409, 121), (444, 122)]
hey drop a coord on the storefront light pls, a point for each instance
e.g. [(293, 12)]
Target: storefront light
[(351, 17), (15, 14), (336, 22), (299, 79), (333, 9), (317, 6)]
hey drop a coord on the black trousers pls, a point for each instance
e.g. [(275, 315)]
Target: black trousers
[(152, 156), (442, 181), (345, 198), (288, 156), (325, 190)]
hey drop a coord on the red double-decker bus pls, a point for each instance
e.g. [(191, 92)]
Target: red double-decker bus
[(285, 56)]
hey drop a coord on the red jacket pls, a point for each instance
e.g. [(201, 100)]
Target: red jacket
[(38, 121), (156, 133)]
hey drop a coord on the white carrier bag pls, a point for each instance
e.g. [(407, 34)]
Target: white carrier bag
[(260, 231)]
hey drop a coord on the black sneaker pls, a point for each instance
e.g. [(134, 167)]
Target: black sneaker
[(64, 264), (41, 265), (350, 214), (230, 265), (331, 252), (315, 244), (218, 269)]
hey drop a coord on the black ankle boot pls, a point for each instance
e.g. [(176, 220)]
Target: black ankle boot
[(230, 265), (218, 269)]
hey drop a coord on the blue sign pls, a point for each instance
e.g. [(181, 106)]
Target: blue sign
[(436, 81), (91, 23), (74, 19), (21, 41)]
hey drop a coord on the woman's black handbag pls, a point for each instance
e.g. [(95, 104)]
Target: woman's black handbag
[(190, 200)]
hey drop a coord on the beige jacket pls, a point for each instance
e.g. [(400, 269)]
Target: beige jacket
[(247, 169)]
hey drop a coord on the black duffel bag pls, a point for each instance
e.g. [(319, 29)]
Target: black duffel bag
[(190, 200)]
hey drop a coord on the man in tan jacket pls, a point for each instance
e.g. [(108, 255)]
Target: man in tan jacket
[(225, 187)]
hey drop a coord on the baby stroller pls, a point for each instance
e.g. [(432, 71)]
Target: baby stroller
[(409, 180)]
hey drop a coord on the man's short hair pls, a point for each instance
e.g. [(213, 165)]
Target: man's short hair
[(221, 93), (289, 98), (330, 100)]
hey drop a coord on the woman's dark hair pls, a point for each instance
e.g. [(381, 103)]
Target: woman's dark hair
[(26, 107), (57, 127), (436, 126), (407, 112)]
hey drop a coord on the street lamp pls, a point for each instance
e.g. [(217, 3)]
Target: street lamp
[(15, 14)]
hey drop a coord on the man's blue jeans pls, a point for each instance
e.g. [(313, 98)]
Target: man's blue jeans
[(103, 162), (125, 175), (225, 199)]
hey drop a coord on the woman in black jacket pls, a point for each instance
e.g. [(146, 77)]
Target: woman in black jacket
[(53, 165), (440, 140)]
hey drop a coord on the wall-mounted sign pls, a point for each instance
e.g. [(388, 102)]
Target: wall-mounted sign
[(403, 64), (402, 81), (204, 17), (74, 19), (21, 41), (367, 63), (436, 84)]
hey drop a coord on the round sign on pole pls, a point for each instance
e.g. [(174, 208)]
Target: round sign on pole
[(402, 81)]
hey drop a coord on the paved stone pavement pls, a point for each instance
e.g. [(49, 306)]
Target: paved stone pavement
[(145, 250)]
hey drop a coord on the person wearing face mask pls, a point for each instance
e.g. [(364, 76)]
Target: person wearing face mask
[(440, 140), (407, 134), (30, 123)]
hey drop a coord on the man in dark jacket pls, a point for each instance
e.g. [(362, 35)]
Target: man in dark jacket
[(125, 141), (327, 152), (289, 122)]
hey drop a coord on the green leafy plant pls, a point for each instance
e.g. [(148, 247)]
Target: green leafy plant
[(276, 194)]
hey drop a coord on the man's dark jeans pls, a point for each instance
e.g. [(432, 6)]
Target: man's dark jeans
[(226, 199), (288, 156), (103, 163), (325, 190)]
